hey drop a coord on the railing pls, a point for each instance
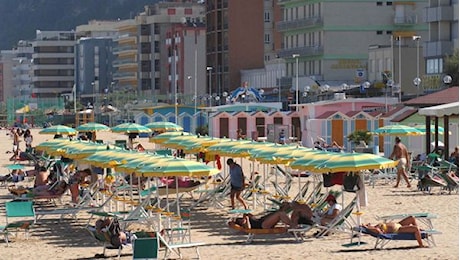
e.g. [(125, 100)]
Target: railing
[(299, 23), (302, 51)]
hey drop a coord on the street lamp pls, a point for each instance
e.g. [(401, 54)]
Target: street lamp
[(209, 69), (296, 57), (417, 80), (389, 84), (447, 79), (366, 86)]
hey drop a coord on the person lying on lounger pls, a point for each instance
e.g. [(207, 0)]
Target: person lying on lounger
[(50, 190), (407, 225), (301, 214), (249, 221), (333, 210)]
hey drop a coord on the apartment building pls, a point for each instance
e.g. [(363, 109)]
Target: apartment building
[(53, 63), (142, 52), (442, 19), (240, 36), (328, 41)]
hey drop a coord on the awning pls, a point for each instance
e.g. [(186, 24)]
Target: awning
[(440, 110)]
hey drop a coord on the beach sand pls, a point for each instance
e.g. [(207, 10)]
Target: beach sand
[(67, 238)]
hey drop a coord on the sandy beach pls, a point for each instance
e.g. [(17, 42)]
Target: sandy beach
[(54, 238)]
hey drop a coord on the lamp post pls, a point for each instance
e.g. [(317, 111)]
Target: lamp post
[(417, 80), (399, 69), (296, 57), (366, 86), (389, 84), (209, 69)]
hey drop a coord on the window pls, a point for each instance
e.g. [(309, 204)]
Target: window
[(188, 11), (267, 17), (434, 66), (379, 3), (379, 32), (389, 3), (171, 11)]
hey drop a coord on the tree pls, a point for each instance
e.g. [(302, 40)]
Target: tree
[(359, 135), (451, 67)]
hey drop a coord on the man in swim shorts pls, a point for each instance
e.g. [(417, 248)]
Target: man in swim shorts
[(400, 153)]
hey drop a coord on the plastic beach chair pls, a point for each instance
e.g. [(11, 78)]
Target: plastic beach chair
[(145, 248), (18, 209)]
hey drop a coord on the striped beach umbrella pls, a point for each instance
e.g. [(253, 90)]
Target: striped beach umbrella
[(130, 128), (58, 130), (92, 127), (164, 127), (397, 130), (352, 162)]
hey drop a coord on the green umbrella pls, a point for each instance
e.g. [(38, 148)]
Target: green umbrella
[(311, 160), (161, 138), (397, 130), (164, 127), (58, 130), (176, 167), (92, 127), (130, 128), (352, 162)]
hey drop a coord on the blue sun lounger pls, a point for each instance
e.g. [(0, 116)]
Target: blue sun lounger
[(383, 239)]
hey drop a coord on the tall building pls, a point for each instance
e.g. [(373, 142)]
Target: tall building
[(442, 19), (141, 51), (328, 41), (53, 63), (237, 39)]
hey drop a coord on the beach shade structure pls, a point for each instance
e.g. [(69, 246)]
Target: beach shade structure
[(400, 130), (163, 137), (51, 144), (58, 130), (176, 167), (164, 127), (311, 160), (130, 128), (92, 127), (353, 162)]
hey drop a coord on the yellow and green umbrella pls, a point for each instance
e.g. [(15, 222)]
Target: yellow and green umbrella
[(176, 167), (161, 138), (130, 128), (58, 130), (311, 160), (164, 127), (92, 127), (352, 162), (397, 130)]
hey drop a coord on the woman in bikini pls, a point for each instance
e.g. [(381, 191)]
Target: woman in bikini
[(407, 225), (249, 221)]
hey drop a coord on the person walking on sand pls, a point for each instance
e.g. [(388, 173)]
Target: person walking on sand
[(400, 153), (236, 182)]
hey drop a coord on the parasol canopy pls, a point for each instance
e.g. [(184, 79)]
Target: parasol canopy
[(58, 130), (352, 162), (92, 127), (397, 130), (164, 127), (130, 128)]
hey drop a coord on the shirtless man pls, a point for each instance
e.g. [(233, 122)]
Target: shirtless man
[(15, 133), (400, 153), (41, 178)]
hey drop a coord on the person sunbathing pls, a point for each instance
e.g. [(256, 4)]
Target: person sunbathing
[(50, 190), (249, 221), (75, 181), (41, 178), (405, 226), (301, 214)]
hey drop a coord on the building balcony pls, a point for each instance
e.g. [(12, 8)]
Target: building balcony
[(53, 78), (439, 13), (124, 75), (53, 67), (405, 20), (437, 48), (302, 51), (53, 55), (299, 23)]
